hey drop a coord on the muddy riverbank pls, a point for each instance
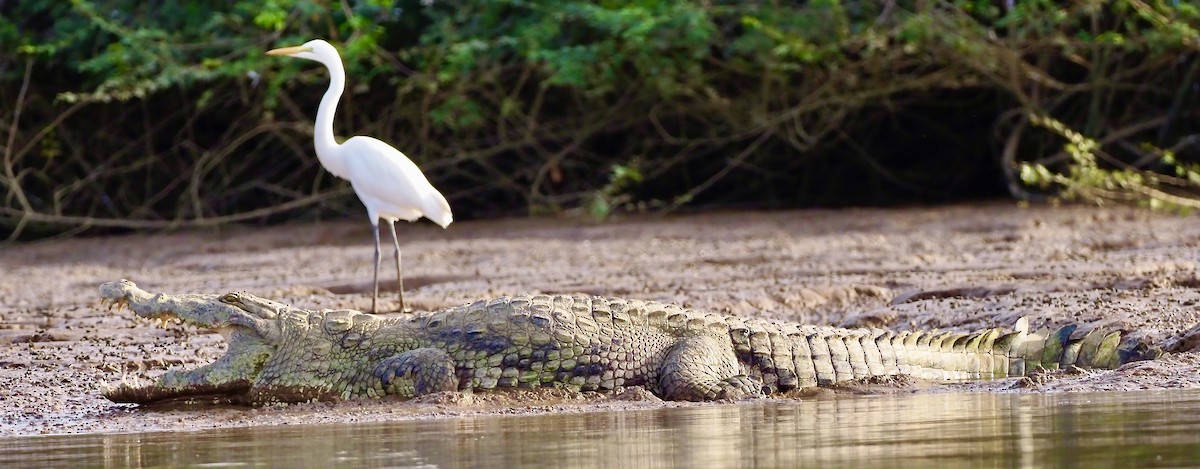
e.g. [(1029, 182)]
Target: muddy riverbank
[(959, 268)]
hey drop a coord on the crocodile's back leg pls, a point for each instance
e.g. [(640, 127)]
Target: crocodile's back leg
[(431, 370), (702, 368)]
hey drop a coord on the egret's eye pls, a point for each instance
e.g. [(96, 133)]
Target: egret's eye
[(230, 298)]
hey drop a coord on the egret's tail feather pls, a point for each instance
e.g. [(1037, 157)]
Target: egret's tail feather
[(437, 209)]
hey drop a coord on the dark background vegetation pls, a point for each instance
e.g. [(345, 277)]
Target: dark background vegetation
[(127, 114)]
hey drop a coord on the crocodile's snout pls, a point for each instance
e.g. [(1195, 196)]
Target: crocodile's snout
[(199, 310)]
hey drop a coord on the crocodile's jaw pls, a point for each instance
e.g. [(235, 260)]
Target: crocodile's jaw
[(229, 378), (198, 310)]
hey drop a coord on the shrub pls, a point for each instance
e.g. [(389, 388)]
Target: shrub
[(126, 115)]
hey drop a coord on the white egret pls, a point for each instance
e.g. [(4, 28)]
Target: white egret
[(389, 184)]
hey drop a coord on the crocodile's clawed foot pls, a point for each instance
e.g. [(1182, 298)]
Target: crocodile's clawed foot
[(740, 387), (431, 370)]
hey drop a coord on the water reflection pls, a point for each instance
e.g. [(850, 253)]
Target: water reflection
[(1159, 429)]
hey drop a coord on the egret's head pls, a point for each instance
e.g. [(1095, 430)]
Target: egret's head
[(315, 49)]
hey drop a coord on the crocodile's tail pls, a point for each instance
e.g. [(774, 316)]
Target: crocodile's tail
[(994, 353), (826, 355)]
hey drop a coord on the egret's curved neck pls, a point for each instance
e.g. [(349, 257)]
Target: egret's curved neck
[(323, 132)]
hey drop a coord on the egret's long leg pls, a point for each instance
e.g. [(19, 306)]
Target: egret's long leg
[(375, 293), (399, 273)]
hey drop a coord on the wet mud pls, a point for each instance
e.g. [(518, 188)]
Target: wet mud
[(955, 268)]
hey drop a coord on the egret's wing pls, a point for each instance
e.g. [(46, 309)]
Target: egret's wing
[(382, 174)]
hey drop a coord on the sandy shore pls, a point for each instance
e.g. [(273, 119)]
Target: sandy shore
[(957, 268)]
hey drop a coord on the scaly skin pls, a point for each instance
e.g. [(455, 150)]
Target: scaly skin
[(278, 353)]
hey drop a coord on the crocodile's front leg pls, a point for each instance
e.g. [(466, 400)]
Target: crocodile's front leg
[(703, 369), (430, 369)]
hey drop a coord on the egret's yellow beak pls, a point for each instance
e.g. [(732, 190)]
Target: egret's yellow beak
[(289, 50)]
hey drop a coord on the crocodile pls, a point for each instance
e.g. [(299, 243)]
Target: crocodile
[(277, 353)]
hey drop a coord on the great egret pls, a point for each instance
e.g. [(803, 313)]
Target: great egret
[(389, 184)]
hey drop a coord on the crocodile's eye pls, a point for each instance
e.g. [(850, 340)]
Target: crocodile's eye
[(230, 298)]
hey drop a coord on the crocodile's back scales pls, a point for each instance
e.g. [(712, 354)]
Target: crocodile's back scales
[(586, 342), (595, 343)]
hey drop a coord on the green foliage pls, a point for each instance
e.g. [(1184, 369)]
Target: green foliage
[(622, 180), (1084, 179), (519, 105), (127, 49), (1119, 168)]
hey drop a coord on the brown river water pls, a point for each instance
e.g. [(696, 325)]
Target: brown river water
[(1002, 430)]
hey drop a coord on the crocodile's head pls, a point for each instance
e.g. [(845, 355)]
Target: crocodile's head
[(249, 324)]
